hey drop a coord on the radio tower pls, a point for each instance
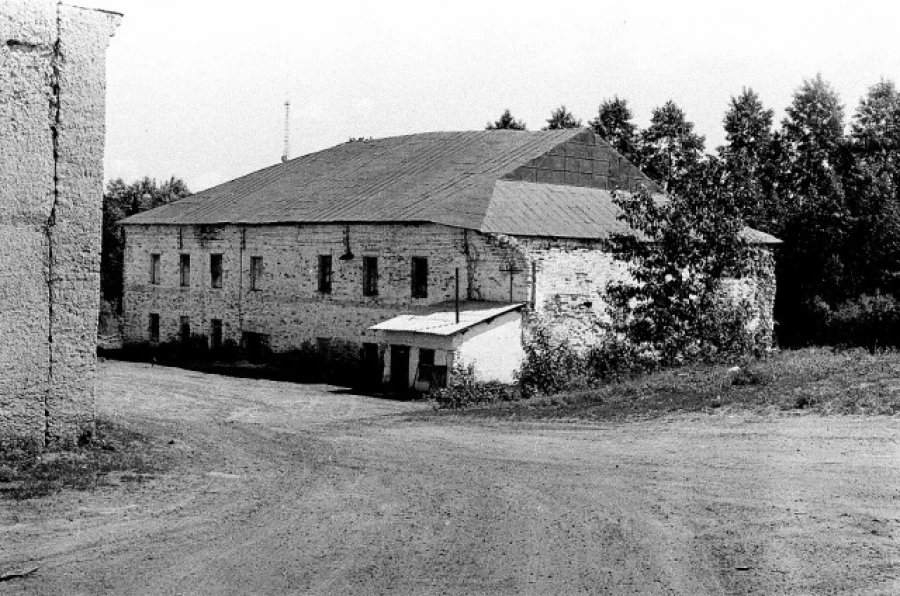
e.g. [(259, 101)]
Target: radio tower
[(287, 130)]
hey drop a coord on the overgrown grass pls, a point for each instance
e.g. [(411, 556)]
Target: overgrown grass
[(27, 475), (818, 380)]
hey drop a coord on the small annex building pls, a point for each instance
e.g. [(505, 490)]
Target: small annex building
[(365, 249)]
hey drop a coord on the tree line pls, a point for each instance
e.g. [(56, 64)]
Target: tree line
[(830, 191)]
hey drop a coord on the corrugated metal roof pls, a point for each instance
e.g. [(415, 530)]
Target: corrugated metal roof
[(441, 177), (441, 319), (558, 211), (450, 178)]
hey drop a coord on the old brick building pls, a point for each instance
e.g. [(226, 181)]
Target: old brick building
[(371, 243), (52, 108)]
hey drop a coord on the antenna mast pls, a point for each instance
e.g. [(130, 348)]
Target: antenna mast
[(287, 130)]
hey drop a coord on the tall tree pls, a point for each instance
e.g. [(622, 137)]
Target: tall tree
[(814, 133), (506, 122), (122, 200), (872, 185), (613, 124), (562, 118), (815, 223), (669, 147), (748, 157)]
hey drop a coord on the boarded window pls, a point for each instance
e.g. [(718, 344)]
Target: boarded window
[(215, 334), (215, 271), (256, 271), (370, 276), (185, 329), (325, 274), (154, 269), (184, 267), (419, 277), (154, 327)]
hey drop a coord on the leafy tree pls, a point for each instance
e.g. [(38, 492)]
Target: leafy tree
[(562, 118), (749, 153), (613, 124), (506, 122), (813, 131), (669, 147), (814, 219), (872, 185), (674, 305), (122, 200)]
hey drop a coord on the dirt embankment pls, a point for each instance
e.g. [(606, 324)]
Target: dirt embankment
[(282, 488)]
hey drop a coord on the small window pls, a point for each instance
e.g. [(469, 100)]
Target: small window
[(419, 277), (184, 267), (215, 334), (426, 357), (154, 269), (325, 274), (215, 271), (154, 327), (185, 329), (370, 276), (256, 271)]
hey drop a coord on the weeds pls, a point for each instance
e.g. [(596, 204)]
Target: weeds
[(817, 380), (26, 474)]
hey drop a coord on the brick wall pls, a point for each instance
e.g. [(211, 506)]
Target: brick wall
[(52, 64)]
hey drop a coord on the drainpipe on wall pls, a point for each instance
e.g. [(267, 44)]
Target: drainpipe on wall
[(241, 285)]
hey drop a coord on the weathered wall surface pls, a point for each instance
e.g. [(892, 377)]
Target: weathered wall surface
[(564, 281), (288, 306), (571, 277), (52, 63)]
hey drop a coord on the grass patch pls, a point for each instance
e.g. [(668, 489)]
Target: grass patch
[(819, 380), (28, 475)]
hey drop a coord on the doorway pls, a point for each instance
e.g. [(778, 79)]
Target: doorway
[(400, 368)]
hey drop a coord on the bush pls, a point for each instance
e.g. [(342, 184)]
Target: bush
[(871, 322), (464, 391), (551, 365), (303, 364)]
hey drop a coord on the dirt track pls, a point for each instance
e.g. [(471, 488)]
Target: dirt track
[(281, 489)]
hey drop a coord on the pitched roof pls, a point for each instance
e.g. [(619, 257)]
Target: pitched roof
[(441, 177), (549, 183)]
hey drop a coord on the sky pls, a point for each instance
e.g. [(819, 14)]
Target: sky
[(196, 89)]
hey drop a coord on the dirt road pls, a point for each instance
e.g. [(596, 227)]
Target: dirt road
[(292, 489)]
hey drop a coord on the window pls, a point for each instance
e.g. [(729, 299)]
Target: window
[(419, 277), (325, 274), (215, 334), (185, 329), (184, 267), (215, 271), (370, 276), (154, 327), (256, 270), (154, 269), (426, 357)]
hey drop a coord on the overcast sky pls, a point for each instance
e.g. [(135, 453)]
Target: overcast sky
[(196, 89)]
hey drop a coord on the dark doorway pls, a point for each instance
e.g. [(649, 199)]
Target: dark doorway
[(372, 366), (400, 368)]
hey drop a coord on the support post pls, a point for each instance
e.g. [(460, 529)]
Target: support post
[(456, 302)]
